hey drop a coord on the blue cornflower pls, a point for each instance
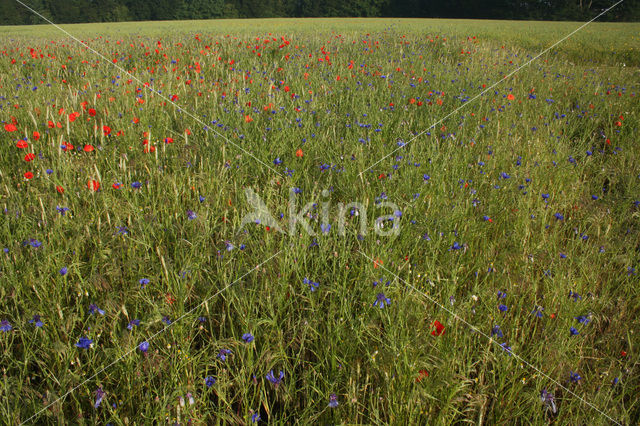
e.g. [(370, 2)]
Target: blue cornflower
[(62, 210), (84, 343), (133, 323), (333, 400), (496, 331), (247, 337), (503, 175), (5, 326), (136, 185), (503, 308), (99, 397), (144, 347), (255, 417), (574, 377), (201, 198), (558, 216), (325, 228), (426, 177), (575, 296), (545, 196), (93, 308), (49, 171), (583, 319), (502, 294), (36, 321), (574, 331), (594, 197), (563, 256), (312, 285), (455, 246), (191, 214), (273, 379), (143, 282), (209, 381), (381, 299), (506, 348), (222, 354), (538, 311), (33, 243), (277, 161), (63, 271), (166, 320)]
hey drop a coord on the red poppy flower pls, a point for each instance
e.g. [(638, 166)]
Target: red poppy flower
[(168, 140), (106, 130), (93, 185), (116, 185), (36, 135), (92, 112), (60, 189), (421, 375), (29, 157), (377, 262), (247, 119), (299, 153), (22, 144), (510, 96), (28, 175), (439, 331), (10, 127)]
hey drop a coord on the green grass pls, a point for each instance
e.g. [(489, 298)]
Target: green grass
[(331, 340)]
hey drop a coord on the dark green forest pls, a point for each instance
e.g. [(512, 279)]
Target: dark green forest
[(74, 11)]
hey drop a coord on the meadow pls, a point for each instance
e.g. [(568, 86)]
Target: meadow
[(503, 289)]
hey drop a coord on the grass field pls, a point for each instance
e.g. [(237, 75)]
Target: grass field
[(505, 267)]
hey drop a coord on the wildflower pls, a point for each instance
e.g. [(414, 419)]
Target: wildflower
[(381, 299), (222, 354), (191, 215), (575, 296), (502, 308), (496, 331), (506, 348), (583, 319), (93, 308), (325, 228), (84, 343), (143, 282), (36, 321), (312, 285), (133, 323), (455, 246), (33, 243), (548, 400), (273, 379), (255, 418), (333, 400), (5, 326), (99, 396), (277, 161), (63, 271), (209, 381), (166, 320), (144, 347), (574, 377), (136, 185), (62, 210), (558, 216), (247, 337), (439, 329)]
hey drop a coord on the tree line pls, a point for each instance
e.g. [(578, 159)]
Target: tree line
[(76, 11)]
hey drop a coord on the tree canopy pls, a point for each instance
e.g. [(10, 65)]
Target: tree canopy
[(75, 11)]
